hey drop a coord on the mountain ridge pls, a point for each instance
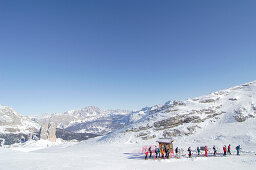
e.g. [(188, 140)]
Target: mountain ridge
[(173, 119), (176, 119)]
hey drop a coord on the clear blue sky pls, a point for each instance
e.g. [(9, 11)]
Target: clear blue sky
[(59, 55)]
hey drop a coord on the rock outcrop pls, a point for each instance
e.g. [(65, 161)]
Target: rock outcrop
[(48, 131)]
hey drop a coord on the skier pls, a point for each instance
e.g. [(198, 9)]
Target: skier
[(238, 149), (176, 151), (206, 151), (146, 155), (189, 152), (159, 152), (162, 152), (225, 150), (22, 139), (229, 151), (150, 152), (214, 151), (156, 151), (167, 153), (198, 151)]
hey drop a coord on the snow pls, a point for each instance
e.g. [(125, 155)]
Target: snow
[(37, 145), (122, 149), (93, 155)]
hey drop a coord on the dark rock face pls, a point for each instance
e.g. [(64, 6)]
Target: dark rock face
[(13, 138), (68, 135), (240, 117), (187, 118), (168, 123)]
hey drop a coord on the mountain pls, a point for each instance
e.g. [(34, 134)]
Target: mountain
[(12, 122), (13, 126), (231, 108), (90, 119), (216, 115)]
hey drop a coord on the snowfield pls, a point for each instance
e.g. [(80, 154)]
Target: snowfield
[(91, 155)]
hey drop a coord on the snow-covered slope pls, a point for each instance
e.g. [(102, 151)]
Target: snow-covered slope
[(231, 108), (12, 122), (220, 118), (90, 119)]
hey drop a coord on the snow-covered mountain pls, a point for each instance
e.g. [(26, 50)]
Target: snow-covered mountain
[(217, 119), (12, 122), (90, 119), (231, 108)]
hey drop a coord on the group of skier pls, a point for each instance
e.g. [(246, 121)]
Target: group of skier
[(226, 150), (164, 152)]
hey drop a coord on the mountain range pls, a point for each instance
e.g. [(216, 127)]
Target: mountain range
[(174, 119)]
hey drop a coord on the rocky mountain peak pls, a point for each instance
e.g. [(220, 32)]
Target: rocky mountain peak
[(86, 111)]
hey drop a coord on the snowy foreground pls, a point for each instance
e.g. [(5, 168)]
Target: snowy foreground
[(88, 155), (98, 154)]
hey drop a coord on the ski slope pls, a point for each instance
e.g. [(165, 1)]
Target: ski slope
[(92, 155)]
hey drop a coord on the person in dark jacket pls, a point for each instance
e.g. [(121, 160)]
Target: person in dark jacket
[(176, 152), (214, 151), (189, 152), (167, 153), (198, 151), (159, 152), (238, 150), (150, 152), (156, 151)]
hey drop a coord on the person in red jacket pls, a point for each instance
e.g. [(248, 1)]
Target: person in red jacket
[(206, 151), (229, 149), (225, 150), (146, 155)]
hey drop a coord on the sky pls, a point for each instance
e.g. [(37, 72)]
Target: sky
[(58, 55)]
